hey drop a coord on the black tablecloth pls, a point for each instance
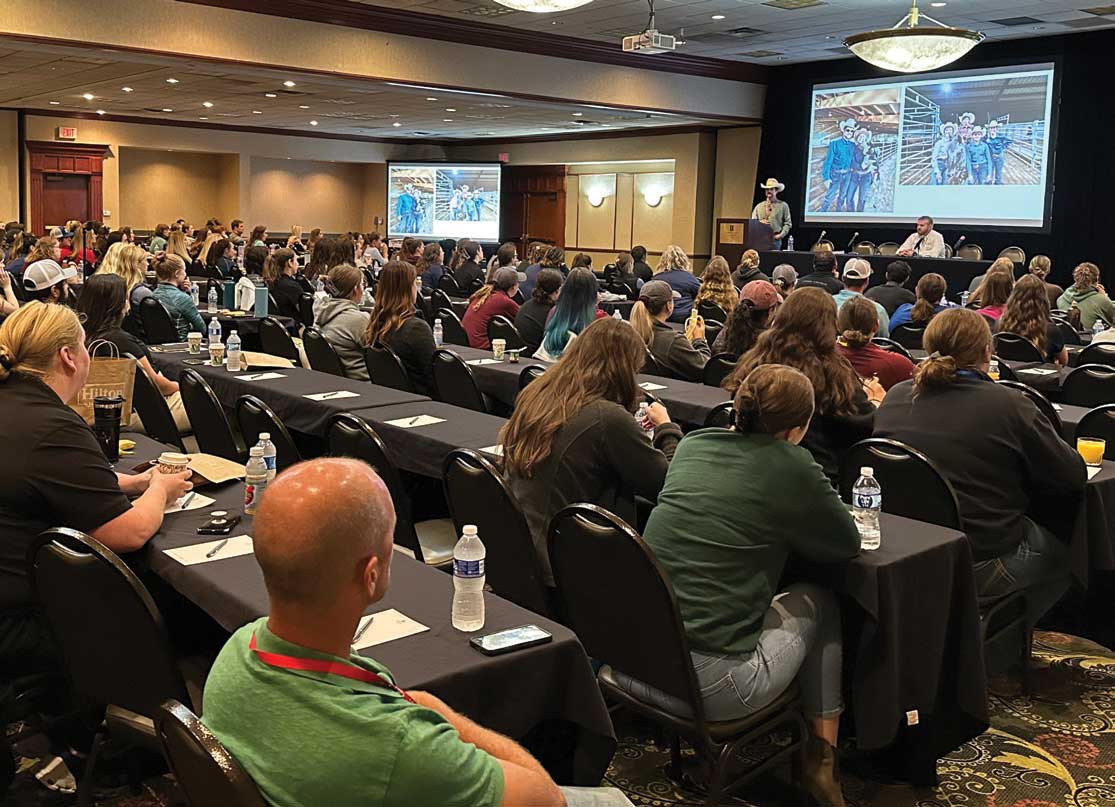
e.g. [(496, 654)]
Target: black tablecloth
[(1086, 523), (1047, 383), (1070, 417), (958, 273), (246, 326), (511, 693)]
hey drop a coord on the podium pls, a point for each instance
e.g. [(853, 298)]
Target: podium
[(733, 236)]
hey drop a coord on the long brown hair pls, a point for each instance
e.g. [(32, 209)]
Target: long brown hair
[(958, 338), (1027, 311), (275, 264), (429, 256), (857, 321), (717, 286), (930, 289), (803, 336), (995, 289), (394, 300), (1004, 266), (600, 364)]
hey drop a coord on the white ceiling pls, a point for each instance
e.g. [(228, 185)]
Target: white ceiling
[(810, 32), (56, 78)]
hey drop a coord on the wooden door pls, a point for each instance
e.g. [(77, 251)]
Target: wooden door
[(533, 204), (65, 197)]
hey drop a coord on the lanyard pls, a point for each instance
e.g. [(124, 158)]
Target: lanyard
[(323, 666)]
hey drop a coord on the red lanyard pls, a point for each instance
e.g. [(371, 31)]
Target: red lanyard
[(321, 665)]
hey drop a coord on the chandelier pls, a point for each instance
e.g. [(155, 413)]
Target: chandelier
[(912, 49), (542, 6)]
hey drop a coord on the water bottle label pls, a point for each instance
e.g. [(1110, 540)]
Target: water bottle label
[(468, 568), (270, 462), (251, 493), (868, 501)]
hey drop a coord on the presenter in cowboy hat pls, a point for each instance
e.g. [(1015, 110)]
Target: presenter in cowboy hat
[(774, 212)]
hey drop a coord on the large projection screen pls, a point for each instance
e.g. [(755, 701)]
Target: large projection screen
[(970, 147), (443, 200)]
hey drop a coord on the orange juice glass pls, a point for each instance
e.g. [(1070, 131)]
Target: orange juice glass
[(1091, 449)]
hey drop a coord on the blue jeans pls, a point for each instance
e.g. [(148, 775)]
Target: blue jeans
[(837, 190), (979, 174), (1038, 566), (996, 169), (940, 175), (800, 640), (863, 184)]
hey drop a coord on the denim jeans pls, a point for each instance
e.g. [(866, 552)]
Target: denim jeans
[(1038, 566)]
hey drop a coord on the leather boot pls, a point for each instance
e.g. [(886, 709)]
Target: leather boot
[(821, 774)]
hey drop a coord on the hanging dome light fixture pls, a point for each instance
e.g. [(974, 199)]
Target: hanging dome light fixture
[(910, 48), (542, 6)]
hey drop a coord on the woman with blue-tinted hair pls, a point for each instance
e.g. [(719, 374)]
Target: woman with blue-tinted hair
[(575, 311)]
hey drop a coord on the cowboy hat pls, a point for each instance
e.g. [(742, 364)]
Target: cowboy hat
[(772, 184), (948, 125), (849, 123)]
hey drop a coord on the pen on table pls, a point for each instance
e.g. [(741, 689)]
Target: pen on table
[(364, 629), (414, 421), (220, 545), (186, 500)]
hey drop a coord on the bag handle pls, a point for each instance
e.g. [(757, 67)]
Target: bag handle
[(96, 345)]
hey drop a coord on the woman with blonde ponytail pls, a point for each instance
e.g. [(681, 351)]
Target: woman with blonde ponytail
[(998, 451), (678, 355)]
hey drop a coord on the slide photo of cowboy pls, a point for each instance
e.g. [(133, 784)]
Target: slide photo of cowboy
[(410, 202), (467, 194), (853, 149), (989, 131)]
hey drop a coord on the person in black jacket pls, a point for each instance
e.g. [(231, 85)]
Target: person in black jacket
[(641, 268), (998, 451), (678, 355), (893, 293), (467, 265), (395, 323), (530, 322), (278, 274), (803, 336), (748, 270), (823, 274)]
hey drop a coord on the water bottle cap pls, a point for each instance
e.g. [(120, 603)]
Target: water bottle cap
[(866, 470), (255, 451), (265, 435), (470, 529), (437, 320)]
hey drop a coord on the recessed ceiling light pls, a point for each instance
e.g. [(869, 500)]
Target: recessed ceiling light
[(55, 103), (172, 81), (288, 83), (202, 117), (578, 114), (718, 16), (938, 5), (313, 123), (256, 112), (396, 124), (446, 120), (88, 96), (100, 112), (270, 95), (303, 106), (167, 109), (450, 109), (431, 99), (207, 104), (127, 89)]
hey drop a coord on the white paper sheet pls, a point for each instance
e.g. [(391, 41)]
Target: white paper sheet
[(260, 376), (651, 387), (192, 555), (497, 450), (483, 361), (386, 626), (332, 396), (1093, 470), (1058, 407), (196, 502), (414, 422), (1038, 371)]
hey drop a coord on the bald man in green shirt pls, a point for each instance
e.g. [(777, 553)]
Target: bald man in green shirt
[(312, 722)]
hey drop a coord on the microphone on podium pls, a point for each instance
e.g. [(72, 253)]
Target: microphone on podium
[(821, 237), (851, 242), (959, 241)]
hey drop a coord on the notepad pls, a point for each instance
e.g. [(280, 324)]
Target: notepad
[(196, 502), (497, 450), (386, 626), (414, 422), (484, 361), (1038, 371), (331, 396), (261, 376), (1093, 470), (193, 555), (651, 387)]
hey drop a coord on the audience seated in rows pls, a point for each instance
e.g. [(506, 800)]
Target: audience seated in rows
[(622, 271), (530, 321), (717, 286), (341, 321), (678, 355), (178, 303), (1088, 297), (748, 270), (55, 473), (999, 452), (803, 336), (723, 529), (258, 238), (930, 293), (431, 266), (489, 301), (46, 281), (998, 265), (641, 268), (823, 274), (1040, 265), (279, 274), (550, 258), (466, 265), (1027, 314), (992, 295), (857, 274), (857, 323), (395, 323), (784, 278), (22, 244), (674, 269), (758, 302), (294, 240), (574, 312), (893, 293), (326, 252), (572, 436)]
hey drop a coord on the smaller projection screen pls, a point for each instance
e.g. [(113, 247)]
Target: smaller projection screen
[(443, 200)]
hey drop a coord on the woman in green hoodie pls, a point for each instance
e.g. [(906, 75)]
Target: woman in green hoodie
[(1088, 295)]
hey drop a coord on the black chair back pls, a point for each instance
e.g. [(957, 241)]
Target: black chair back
[(1100, 422), (158, 327), (713, 328), (1099, 353), (448, 284), (477, 494), (529, 374), (720, 415), (500, 327), (206, 772), (320, 353), (718, 367), (114, 642), (349, 436), (254, 417), (1068, 333), (454, 382), (652, 367), (891, 346), (1090, 385), (618, 617), (439, 299), (272, 303), (452, 331), (1006, 372), (275, 340), (212, 429), (970, 252), (158, 422), (1015, 347), (710, 310), (1040, 401), (908, 335), (385, 368), (912, 484), (306, 309)]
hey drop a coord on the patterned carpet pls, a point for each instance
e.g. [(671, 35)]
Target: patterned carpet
[(1056, 749)]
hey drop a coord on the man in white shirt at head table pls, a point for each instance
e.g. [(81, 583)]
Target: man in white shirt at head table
[(925, 242)]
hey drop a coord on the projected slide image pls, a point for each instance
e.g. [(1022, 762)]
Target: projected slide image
[(467, 194), (853, 151), (411, 202), (988, 131)]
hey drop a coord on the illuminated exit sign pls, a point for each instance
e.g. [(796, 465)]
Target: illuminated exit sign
[(65, 133)]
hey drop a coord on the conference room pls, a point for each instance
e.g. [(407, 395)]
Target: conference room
[(530, 402)]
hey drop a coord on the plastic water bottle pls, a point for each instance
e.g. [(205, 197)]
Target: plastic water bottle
[(319, 285), (964, 295), (867, 501), (1097, 328), (642, 419), (790, 244), (195, 297), (214, 325), (617, 315), (255, 479), (468, 581), (439, 333), (213, 298), (269, 454), (232, 364), (240, 257)]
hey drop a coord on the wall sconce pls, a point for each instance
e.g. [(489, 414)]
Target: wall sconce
[(653, 198), (595, 198)]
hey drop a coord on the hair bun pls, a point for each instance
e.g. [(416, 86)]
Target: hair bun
[(746, 411)]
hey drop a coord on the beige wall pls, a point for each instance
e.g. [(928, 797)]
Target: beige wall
[(9, 166), (329, 195), (736, 183), (161, 186)]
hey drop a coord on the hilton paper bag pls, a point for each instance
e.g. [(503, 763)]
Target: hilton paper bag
[(111, 375)]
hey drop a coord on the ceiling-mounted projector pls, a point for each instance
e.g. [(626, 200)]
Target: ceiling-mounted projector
[(649, 41)]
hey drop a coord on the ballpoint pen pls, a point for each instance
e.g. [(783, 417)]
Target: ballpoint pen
[(364, 629), (414, 421), (220, 545), (186, 500)]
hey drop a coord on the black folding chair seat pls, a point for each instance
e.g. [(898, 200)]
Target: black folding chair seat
[(256, 417), (455, 383), (321, 354), (212, 429), (275, 340), (385, 368), (158, 422), (158, 327)]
